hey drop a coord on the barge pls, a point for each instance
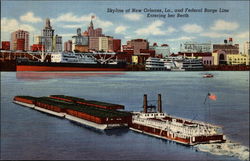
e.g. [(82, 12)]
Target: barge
[(180, 130), (89, 115)]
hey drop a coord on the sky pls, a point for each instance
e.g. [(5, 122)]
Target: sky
[(67, 16)]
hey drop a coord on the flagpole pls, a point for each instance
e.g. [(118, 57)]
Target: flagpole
[(205, 99)]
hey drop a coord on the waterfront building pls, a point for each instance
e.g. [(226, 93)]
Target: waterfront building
[(85, 33), (116, 45), (57, 43), (207, 60), (79, 39), (228, 47), (110, 44), (50, 42), (19, 40), (103, 44), (194, 47), (5, 45), (237, 59), (94, 43), (20, 44), (219, 57), (68, 45), (81, 48), (246, 48), (136, 45), (163, 50)]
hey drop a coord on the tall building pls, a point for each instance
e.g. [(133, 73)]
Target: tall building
[(163, 50), (50, 41), (110, 44), (103, 44), (92, 32), (68, 45), (246, 48), (94, 43), (137, 45), (79, 39), (228, 47), (193, 47), (57, 43), (116, 45), (19, 40)]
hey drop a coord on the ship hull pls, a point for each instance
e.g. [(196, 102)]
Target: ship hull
[(47, 66), (171, 136)]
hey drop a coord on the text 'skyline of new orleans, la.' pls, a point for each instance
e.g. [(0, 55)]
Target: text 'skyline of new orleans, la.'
[(167, 12)]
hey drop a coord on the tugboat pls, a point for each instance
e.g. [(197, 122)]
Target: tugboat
[(181, 130)]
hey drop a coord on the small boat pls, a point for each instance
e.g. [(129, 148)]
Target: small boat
[(208, 75)]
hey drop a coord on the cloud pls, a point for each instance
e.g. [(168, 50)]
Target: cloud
[(128, 37), (70, 17), (29, 17), (133, 16), (103, 24), (154, 29), (170, 30), (183, 38), (214, 34), (11, 25), (224, 25), (192, 28), (120, 29), (242, 35), (71, 26)]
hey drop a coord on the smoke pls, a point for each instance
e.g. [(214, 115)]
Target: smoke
[(228, 148)]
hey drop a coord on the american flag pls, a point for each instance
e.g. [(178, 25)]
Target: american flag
[(212, 96)]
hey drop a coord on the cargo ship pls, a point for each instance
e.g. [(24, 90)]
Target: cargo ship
[(66, 61), (95, 114), (177, 129)]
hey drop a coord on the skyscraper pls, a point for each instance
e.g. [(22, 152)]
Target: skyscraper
[(92, 32), (50, 42), (68, 45), (19, 40), (116, 45)]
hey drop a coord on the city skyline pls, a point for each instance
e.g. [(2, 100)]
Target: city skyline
[(198, 27)]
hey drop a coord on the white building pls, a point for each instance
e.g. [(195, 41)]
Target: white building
[(194, 47), (163, 50), (246, 48), (103, 44)]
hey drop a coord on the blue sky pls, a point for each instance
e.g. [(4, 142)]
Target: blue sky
[(67, 16)]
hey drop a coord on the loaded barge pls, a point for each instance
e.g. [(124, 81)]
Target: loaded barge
[(100, 115), (165, 126)]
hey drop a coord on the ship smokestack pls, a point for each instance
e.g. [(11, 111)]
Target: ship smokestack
[(145, 103), (159, 103)]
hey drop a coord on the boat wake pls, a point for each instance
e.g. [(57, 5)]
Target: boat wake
[(228, 148)]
